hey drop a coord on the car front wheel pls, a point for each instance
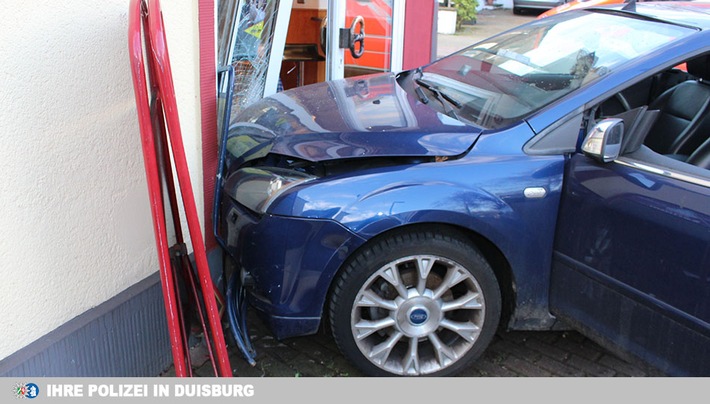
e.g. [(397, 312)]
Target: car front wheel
[(416, 303)]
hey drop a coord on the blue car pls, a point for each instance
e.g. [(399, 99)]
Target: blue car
[(554, 176)]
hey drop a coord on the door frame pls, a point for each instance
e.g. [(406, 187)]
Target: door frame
[(283, 18)]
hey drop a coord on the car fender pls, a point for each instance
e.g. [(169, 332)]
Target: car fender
[(482, 195)]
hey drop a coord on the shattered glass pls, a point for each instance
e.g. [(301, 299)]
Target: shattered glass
[(245, 37)]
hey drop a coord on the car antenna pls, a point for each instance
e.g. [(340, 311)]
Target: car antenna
[(630, 6)]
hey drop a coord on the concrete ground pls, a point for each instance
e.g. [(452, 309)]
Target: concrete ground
[(511, 354)]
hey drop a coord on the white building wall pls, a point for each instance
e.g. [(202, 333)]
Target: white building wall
[(75, 227)]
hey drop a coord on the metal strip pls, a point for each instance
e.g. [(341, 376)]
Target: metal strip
[(278, 43), (335, 57), (397, 55), (663, 171)]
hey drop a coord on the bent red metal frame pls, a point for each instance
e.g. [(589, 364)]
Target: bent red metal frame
[(153, 86)]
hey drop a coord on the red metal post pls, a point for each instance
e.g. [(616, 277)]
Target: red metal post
[(140, 86), (147, 15)]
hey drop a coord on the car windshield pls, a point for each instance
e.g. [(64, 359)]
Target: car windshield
[(506, 78)]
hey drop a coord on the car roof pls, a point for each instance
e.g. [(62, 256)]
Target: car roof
[(689, 13)]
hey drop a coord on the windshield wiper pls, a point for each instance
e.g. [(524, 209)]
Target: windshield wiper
[(443, 98)]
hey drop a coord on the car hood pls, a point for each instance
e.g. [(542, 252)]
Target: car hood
[(368, 116)]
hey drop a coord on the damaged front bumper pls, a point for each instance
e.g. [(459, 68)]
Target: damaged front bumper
[(285, 265)]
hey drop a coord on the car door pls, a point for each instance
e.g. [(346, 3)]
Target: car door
[(631, 264)]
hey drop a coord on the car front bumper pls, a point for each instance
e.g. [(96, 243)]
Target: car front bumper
[(286, 264)]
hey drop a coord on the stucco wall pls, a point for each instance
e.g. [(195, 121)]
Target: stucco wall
[(75, 227)]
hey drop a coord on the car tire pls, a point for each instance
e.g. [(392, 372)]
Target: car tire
[(415, 303)]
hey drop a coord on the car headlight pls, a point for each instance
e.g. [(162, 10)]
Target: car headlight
[(257, 188)]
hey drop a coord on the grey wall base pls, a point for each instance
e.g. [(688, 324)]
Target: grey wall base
[(126, 336)]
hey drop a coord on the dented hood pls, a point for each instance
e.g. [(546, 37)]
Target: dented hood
[(369, 116)]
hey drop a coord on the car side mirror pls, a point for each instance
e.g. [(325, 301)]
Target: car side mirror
[(603, 142)]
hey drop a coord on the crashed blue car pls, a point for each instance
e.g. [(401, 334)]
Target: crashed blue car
[(554, 176)]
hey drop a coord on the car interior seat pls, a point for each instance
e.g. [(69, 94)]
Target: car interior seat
[(684, 120), (701, 156)]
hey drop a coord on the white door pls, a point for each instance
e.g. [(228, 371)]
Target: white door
[(369, 37)]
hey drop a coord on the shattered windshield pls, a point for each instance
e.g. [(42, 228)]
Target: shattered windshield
[(514, 74)]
